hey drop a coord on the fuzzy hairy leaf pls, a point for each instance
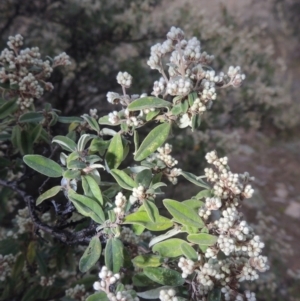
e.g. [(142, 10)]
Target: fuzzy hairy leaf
[(202, 239), (48, 194), (164, 276), (183, 214), (91, 255), (123, 179), (169, 248), (43, 165), (114, 155), (148, 103), (153, 141), (114, 257)]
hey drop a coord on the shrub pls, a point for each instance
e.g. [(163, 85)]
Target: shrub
[(144, 246)]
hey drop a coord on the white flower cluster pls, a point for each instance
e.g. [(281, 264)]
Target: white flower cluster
[(164, 161), (186, 71), (227, 184), (236, 78), (93, 113), (187, 266), (6, 265), (164, 155), (25, 70), (120, 202), (231, 295), (47, 281), (15, 42), (168, 295), (77, 292), (138, 194), (107, 278), (61, 60), (124, 79)]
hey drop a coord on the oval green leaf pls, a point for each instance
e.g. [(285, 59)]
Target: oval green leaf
[(189, 252), (31, 117), (143, 261), (153, 141), (65, 142), (48, 194), (123, 179), (142, 218), (114, 155), (202, 239), (148, 103), (183, 214), (91, 188), (164, 276), (114, 257), (43, 165), (91, 255), (169, 248)]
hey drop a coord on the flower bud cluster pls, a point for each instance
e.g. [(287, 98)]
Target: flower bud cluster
[(236, 78), (27, 71), (47, 281), (107, 278), (120, 202), (93, 113), (187, 266), (164, 155), (159, 87), (6, 265), (227, 184), (130, 237), (124, 79), (138, 194), (77, 292), (168, 295), (179, 86), (232, 295)]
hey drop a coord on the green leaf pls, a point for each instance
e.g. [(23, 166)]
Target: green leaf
[(35, 133), (184, 106), (202, 239), (189, 252), (43, 165), (183, 214), (164, 236), (144, 177), (194, 179), (64, 119), (142, 218), (83, 140), (18, 266), (31, 252), (65, 142), (176, 110), (114, 155), (140, 279), (114, 257), (123, 179), (100, 296), (91, 255), (153, 141), (92, 122), (137, 229), (164, 276), (196, 121), (98, 145), (148, 103), (169, 248), (191, 98), (33, 117), (25, 142), (142, 261), (87, 206), (194, 204), (91, 188), (48, 194), (76, 164), (105, 121), (71, 174), (206, 193), (153, 293), (151, 115), (151, 210), (7, 108)]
